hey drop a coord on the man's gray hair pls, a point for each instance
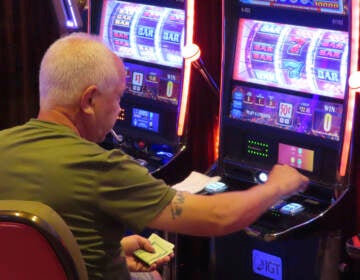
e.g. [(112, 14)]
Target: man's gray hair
[(73, 63)]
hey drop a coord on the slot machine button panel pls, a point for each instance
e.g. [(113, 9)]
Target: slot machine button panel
[(291, 209)]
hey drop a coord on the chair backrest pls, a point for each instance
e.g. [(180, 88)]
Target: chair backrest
[(36, 243)]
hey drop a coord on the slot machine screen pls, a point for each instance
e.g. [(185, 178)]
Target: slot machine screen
[(153, 83), (308, 66), (145, 119), (143, 32), (319, 6), (296, 156), (304, 59)]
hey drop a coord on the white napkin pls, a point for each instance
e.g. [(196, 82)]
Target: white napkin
[(195, 182)]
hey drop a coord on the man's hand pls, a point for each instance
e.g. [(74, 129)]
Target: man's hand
[(287, 180), (133, 242)]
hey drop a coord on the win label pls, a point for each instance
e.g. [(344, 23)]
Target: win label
[(267, 265)]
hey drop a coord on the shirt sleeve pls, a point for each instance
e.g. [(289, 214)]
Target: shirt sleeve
[(127, 192)]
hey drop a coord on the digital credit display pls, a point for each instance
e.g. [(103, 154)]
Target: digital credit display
[(320, 6), (144, 32), (145, 119), (305, 115), (309, 60)]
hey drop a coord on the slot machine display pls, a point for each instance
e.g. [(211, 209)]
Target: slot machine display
[(151, 37), (286, 99)]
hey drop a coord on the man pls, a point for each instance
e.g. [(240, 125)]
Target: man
[(55, 159)]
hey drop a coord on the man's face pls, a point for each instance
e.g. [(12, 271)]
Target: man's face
[(107, 107)]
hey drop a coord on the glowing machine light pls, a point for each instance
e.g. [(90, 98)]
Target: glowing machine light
[(191, 53), (352, 91)]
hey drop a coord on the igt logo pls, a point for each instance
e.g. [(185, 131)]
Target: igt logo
[(267, 265)]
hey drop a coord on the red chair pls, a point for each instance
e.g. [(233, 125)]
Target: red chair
[(35, 243)]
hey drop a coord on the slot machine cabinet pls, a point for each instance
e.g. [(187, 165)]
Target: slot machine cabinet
[(154, 39), (68, 16), (285, 99)]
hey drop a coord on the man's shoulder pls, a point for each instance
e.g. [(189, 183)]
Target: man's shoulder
[(45, 136), (13, 131), (34, 124)]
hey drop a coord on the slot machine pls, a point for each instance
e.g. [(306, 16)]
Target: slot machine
[(285, 99), (154, 39)]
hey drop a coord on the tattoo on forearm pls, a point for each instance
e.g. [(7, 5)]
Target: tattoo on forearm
[(176, 206)]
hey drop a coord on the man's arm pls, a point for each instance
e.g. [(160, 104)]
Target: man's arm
[(227, 212)]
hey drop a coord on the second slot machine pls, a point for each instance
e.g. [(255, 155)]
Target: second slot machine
[(286, 99)]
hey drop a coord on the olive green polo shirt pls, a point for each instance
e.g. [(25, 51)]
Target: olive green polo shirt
[(99, 193)]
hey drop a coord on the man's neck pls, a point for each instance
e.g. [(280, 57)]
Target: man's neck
[(59, 116)]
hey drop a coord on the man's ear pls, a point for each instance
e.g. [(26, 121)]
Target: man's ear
[(87, 99)]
